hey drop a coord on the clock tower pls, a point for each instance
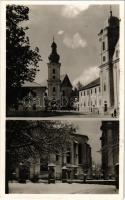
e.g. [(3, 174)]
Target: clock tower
[(54, 74)]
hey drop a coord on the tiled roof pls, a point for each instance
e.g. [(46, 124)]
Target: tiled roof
[(65, 82), (31, 84), (91, 84)]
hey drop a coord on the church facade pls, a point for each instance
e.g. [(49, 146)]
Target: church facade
[(76, 159), (107, 97), (56, 94)]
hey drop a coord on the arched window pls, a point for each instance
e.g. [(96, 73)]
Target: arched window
[(104, 87), (54, 89), (104, 58), (103, 46)]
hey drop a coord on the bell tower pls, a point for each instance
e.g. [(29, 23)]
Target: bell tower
[(54, 73), (108, 38)]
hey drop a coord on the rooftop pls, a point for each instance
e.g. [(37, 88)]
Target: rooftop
[(91, 84), (31, 84)]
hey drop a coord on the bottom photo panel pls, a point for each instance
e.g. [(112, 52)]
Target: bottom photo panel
[(62, 157)]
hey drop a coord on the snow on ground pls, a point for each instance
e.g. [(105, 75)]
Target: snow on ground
[(60, 188)]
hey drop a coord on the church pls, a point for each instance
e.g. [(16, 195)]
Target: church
[(57, 94), (102, 94)]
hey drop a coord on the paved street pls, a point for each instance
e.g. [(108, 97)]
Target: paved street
[(55, 114), (61, 188)]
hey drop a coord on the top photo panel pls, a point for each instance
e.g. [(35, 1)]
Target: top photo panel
[(62, 61)]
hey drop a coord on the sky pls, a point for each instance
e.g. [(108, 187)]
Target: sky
[(75, 29), (92, 130)]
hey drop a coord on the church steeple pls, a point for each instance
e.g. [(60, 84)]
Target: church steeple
[(110, 11), (54, 57)]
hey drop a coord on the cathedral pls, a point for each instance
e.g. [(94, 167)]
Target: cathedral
[(102, 94)]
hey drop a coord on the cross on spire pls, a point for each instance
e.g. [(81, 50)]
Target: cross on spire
[(110, 11)]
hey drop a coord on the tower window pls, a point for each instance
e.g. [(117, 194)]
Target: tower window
[(54, 71), (53, 77), (54, 89), (104, 87), (104, 58), (63, 93), (103, 46)]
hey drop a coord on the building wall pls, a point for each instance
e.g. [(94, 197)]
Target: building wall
[(116, 74), (90, 100), (34, 100), (54, 80), (109, 147), (109, 72), (69, 158), (66, 96)]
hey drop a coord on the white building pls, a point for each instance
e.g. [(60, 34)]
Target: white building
[(105, 99)]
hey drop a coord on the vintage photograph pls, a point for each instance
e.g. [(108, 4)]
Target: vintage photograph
[(62, 60), (62, 157)]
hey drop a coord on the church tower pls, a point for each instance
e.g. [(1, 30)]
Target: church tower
[(108, 38), (54, 73)]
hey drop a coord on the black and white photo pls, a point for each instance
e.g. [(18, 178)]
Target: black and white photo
[(62, 60)]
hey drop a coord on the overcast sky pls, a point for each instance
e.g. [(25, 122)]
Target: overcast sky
[(75, 29)]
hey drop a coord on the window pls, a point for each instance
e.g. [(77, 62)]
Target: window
[(57, 157), (84, 104), (103, 46), (54, 71), (53, 77), (54, 89), (63, 93), (80, 153), (91, 91), (68, 157), (95, 90), (81, 93), (84, 93), (104, 58), (104, 87)]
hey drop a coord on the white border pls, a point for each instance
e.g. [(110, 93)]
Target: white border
[(2, 105)]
